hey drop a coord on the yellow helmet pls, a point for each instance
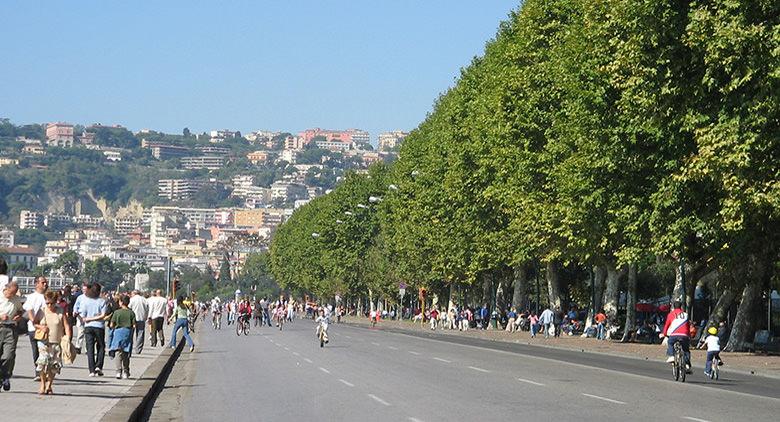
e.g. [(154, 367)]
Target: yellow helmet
[(713, 331)]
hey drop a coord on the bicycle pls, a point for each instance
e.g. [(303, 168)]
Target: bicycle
[(678, 366), (322, 335), (216, 321), (715, 368), (242, 326)]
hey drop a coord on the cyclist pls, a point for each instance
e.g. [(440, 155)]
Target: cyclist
[(677, 329), (322, 324), (244, 311), (713, 349), (216, 312)]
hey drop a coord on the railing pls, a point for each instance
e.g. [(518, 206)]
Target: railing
[(27, 284)]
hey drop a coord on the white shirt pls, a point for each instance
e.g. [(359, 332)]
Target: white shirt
[(10, 307), (35, 302), (3, 281), (157, 305), (713, 343), (140, 307)]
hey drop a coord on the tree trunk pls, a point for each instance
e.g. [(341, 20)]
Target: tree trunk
[(451, 302), (746, 321), (500, 296), (371, 300), (553, 285), (599, 274), (721, 309), (677, 294), (612, 291), (486, 289), (630, 327), (520, 296)]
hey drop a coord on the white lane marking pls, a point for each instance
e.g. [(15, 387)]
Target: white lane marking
[(415, 419), (443, 360), (287, 349), (530, 382), (348, 336), (308, 360), (414, 353), (324, 370), (296, 354), (604, 398), (378, 400), (375, 343), (478, 369), (695, 419), (392, 347), (347, 383)]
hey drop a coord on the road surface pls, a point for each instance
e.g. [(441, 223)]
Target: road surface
[(380, 375)]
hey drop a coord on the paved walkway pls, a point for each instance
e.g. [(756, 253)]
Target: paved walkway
[(744, 362), (77, 396)]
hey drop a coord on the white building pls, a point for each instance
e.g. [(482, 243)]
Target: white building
[(123, 226), (30, 220), (391, 140), (289, 155), (178, 189), (6, 237), (288, 191), (59, 135), (210, 162), (218, 136), (113, 155)]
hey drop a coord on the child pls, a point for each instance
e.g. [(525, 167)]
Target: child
[(713, 349), (123, 322)]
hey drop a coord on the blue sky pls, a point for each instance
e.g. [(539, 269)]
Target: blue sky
[(276, 65)]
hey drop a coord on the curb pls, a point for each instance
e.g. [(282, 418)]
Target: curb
[(140, 398), (443, 337)]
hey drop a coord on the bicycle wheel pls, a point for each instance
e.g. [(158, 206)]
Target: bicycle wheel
[(680, 357), (715, 371), (238, 328), (246, 328)]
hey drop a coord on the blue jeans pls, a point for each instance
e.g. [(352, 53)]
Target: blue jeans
[(686, 346), (710, 356), (181, 323), (601, 332)]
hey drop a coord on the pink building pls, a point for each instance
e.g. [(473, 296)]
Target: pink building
[(59, 134), (349, 136)]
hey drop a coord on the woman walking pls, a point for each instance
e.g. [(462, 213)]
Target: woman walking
[(54, 326), (122, 324), (180, 314)]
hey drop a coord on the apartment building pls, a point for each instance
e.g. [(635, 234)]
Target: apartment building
[(179, 189), (209, 162), (24, 255), (257, 157), (30, 220), (294, 142), (289, 155), (123, 226), (59, 135), (6, 237), (288, 191), (218, 136), (166, 152), (391, 140), (8, 162), (213, 150)]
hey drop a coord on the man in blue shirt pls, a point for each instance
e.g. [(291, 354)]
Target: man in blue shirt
[(91, 311)]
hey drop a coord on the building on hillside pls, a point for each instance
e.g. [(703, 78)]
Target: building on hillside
[(369, 158), (166, 152), (210, 162), (8, 162), (59, 135), (179, 189), (349, 137), (257, 157), (112, 155), (248, 218), (6, 237), (218, 136), (123, 226), (334, 145), (88, 222), (19, 254), (34, 149), (286, 191), (243, 181), (391, 140), (213, 150), (87, 138), (57, 222), (30, 220), (289, 155), (300, 202), (294, 142), (261, 136)]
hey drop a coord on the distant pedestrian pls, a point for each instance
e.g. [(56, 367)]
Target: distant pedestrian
[(601, 325), (512, 317), (92, 312), (140, 309), (533, 324), (157, 314), (34, 305), (10, 314), (546, 320), (558, 316), (80, 343), (181, 314), (55, 325), (122, 322)]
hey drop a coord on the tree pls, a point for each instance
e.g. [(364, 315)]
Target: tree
[(186, 132)]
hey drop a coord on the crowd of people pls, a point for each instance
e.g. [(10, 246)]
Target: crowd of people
[(84, 320)]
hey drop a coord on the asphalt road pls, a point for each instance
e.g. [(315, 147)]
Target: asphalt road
[(380, 375)]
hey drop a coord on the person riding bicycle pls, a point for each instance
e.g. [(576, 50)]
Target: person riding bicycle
[(245, 310), (677, 329), (322, 324), (713, 349)]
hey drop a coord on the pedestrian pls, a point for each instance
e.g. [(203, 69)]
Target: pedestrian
[(601, 323), (533, 324), (34, 305), (180, 315), (157, 314), (558, 321), (434, 318), (122, 322), (55, 327), (512, 315), (92, 312), (546, 320), (140, 308), (80, 343), (3, 274), (10, 313)]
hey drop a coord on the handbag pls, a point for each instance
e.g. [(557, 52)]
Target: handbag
[(41, 335), (68, 350)]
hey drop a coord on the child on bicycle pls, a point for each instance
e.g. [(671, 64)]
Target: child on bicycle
[(322, 324), (713, 349)]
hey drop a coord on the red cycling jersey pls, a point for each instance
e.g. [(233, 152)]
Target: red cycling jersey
[(677, 324)]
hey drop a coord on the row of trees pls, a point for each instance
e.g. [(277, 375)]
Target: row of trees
[(618, 136)]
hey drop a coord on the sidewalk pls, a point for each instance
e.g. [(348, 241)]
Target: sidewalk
[(749, 363), (77, 397)]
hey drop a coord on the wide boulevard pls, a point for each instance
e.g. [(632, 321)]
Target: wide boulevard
[(382, 375)]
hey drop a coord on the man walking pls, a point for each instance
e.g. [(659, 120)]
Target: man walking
[(10, 313), (157, 306), (140, 308), (34, 305), (546, 320)]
